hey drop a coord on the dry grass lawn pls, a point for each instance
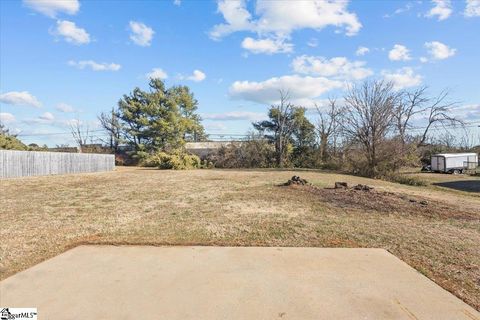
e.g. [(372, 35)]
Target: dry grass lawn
[(43, 216)]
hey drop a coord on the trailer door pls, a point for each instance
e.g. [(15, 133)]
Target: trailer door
[(472, 162), (441, 162)]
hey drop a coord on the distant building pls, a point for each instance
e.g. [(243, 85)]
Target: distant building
[(204, 149)]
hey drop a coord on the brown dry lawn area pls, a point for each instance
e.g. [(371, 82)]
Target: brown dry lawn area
[(44, 216)]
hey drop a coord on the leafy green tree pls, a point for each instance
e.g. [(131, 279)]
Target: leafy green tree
[(159, 119), (9, 141), (303, 140)]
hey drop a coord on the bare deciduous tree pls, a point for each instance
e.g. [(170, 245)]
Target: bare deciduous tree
[(328, 125), (410, 104), (368, 118), (110, 123), (281, 124), (438, 114), (80, 133)]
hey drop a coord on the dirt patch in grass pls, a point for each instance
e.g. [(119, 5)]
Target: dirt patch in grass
[(386, 202), (44, 216)]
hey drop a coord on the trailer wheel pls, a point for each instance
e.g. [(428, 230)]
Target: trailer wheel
[(456, 171)]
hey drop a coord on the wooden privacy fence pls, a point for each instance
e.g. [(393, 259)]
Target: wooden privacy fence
[(15, 164)]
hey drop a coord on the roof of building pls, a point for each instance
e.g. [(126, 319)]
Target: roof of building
[(452, 155)]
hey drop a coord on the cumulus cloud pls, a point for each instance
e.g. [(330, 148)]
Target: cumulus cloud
[(268, 46), (439, 51), (71, 33), (399, 53), (441, 9), (237, 18), (141, 34), (298, 87), (51, 8), (6, 117), (20, 98), (157, 73), (235, 115), (95, 66), (361, 51), (338, 67), (65, 108), (402, 78), (196, 76), (47, 116), (472, 9), (279, 19)]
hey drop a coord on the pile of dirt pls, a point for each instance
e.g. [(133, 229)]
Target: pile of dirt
[(296, 180), (360, 187), (366, 198)]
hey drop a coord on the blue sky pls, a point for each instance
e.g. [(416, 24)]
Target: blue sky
[(62, 60)]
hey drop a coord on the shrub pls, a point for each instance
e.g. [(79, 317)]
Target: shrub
[(255, 152), (177, 160), (405, 179)]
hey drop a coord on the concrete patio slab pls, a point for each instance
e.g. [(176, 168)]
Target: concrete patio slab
[(141, 282)]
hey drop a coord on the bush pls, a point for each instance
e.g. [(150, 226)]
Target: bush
[(254, 152), (405, 179), (177, 160)]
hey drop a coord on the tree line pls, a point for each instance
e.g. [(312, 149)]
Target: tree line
[(369, 131)]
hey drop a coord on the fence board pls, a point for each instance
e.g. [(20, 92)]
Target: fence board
[(15, 164)]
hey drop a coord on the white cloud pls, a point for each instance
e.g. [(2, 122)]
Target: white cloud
[(284, 17), (141, 35), (472, 9), (399, 53), (20, 98), (235, 115), (50, 8), (63, 107), (197, 76), (268, 46), (338, 67), (157, 73), (442, 9), (177, 2), (361, 51), (95, 66), (6, 117), (298, 87), (47, 116), (400, 10), (467, 112), (439, 51), (216, 126), (236, 16), (71, 32), (402, 78), (276, 20)]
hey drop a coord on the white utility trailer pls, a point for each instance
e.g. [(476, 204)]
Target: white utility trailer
[(454, 162)]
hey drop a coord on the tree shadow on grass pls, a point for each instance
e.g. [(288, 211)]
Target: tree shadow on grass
[(463, 185)]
